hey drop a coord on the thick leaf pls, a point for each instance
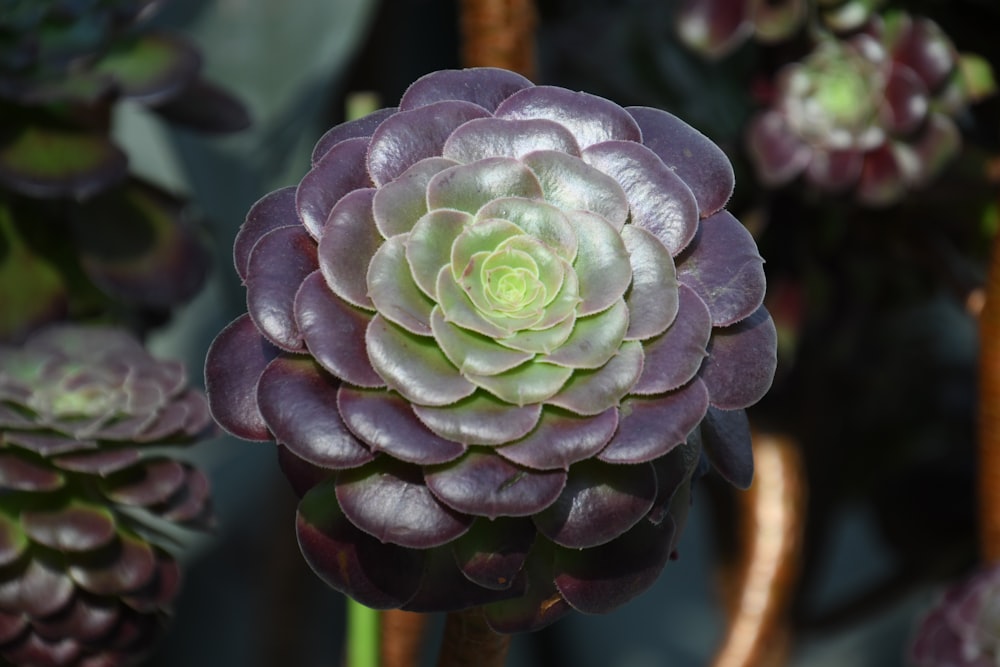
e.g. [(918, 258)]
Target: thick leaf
[(675, 356), (494, 552), (541, 221), (590, 392), (473, 353), (393, 291), (600, 502), (40, 588), (570, 183), (531, 382), (125, 566), (602, 263), (347, 243), (485, 86), (388, 500), (299, 404), (659, 200), (595, 339), (22, 474), (233, 364), (777, 154), (386, 422), (279, 263), (271, 211), (468, 187), (102, 462), (652, 297), (46, 160), (651, 427), (398, 205), (338, 172), (741, 362), (541, 604), (205, 107), (590, 118), (444, 587), (381, 576), (561, 439), (137, 246), (352, 129), (13, 540), (480, 419), (725, 437), (88, 618), (713, 28), (482, 138), (483, 484), (77, 527), (152, 482), (906, 101), (152, 67)]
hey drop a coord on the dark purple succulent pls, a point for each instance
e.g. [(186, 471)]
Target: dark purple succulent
[(493, 330), (84, 496), (872, 113), (963, 628)]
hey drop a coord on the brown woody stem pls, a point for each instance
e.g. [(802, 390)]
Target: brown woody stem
[(468, 640), (989, 413), (402, 634), (499, 33), (772, 516)]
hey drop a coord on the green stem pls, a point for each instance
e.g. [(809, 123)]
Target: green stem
[(362, 635)]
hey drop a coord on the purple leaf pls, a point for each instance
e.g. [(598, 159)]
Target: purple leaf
[(352, 129), (777, 154), (444, 587), (714, 27), (599, 503), (482, 138), (835, 170), (484, 484), (389, 501), (494, 552), (339, 171), (726, 441), (299, 403), (652, 298), (561, 439), (152, 482), (487, 87), (39, 589), (541, 603), (20, 474), (274, 210), (88, 618), (675, 356), (480, 419), (347, 244), (128, 565), (234, 362), (741, 362), (590, 118), (906, 101), (74, 528)]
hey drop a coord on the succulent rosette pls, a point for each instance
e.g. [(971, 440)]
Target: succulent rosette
[(485, 328), (872, 113), (84, 498), (963, 628)]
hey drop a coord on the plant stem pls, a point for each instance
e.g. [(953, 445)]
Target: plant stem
[(499, 33), (772, 519), (468, 640), (989, 413), (362, 635), (402, 637)]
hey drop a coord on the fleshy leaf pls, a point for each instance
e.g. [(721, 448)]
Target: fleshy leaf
[(675, 356), (389, 501), (600, 502), (480, 419), (40, 589), (150, 68), (399, 204), (234, 361), (414, 134), (713, 28), (539, 220), (299, 403), (347, 243), (602, 263), (498, 137), (444, 587), (724, 268), (381, 576), (429, 245), (485, 86), (271, 211), (473, 353), (651, 427), (13, 540), (74, 528), (595, 339), (725, 437), (128, 565), (21, 474), (590, 118), (152, 482), (531, 382), (482, 484), (590, 392), (352, 129), (385, 421), (561, 439), (652, 298), (393, 291), (741, 362), (493, 552), (658, 199), (280, 261), (414, 365), (339, 171), (468, 187), (334, 332), (777, 154), (541, 603), (205, 107), (570, 183)]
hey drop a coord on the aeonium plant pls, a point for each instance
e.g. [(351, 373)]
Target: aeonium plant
[(494, 331)]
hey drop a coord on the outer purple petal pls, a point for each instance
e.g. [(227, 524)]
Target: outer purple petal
[(561, 439), (233, 364), (652, 298), (341, 170), (741, 362), (398, 205), (726, 440), (334, 332), (280, 261), (75, 528), (906, 101), (274, 210), (724, 268), (541, 603), (485, 86), (778, 155), (651, 427), (493, 553), (386, 422), (41, 588), (674, 357), (410, 136), (444, 587), (480, 419), (835, 170), (714, 27), (352, 129), (389, 501), (299, 404), (659, 200), (347, 243), (883, 180), (600, 502), (700, 163), (499, 137), (590, 118), (486, 485), (381, 576)]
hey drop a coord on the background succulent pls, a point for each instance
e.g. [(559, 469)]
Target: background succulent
[(484, 329), (87, 491), (872, 112)]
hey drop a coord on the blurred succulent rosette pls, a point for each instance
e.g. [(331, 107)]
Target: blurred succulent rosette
[(961, 629), (873, 112), (78, 231), (716, 28), (89, 495), (494, 330)]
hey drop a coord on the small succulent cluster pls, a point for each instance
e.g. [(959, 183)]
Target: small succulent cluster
[(716, 28), (963, 629), (85, 578), (80, 232), (494, 330), (872, 113)]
